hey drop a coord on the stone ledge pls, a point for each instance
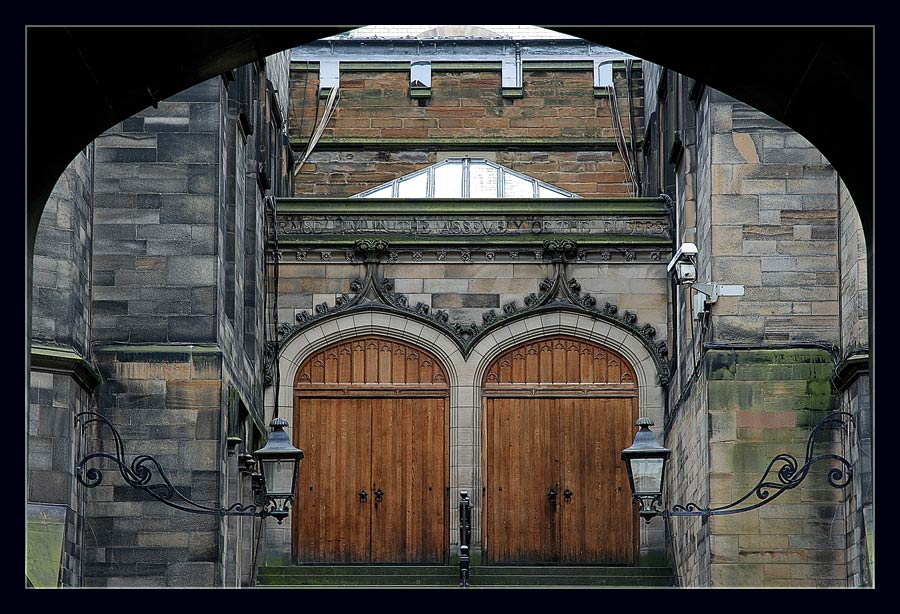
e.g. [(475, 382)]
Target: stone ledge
[(66, 360)]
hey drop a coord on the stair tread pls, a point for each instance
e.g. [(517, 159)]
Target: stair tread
[(446, 576)]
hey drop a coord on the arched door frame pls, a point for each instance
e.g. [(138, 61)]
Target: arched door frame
[(342, 328), (465, 374), (604, 333)]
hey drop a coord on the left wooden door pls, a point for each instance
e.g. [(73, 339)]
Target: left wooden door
[(335, 523), (371, 416)]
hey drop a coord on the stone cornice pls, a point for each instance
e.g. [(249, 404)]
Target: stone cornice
[(495, 206), (66, 360), (849, 368), (457, 143)]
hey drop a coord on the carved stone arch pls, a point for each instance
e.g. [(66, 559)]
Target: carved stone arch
[(612, 340)]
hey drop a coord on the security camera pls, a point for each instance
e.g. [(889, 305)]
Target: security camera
[(685, 264)]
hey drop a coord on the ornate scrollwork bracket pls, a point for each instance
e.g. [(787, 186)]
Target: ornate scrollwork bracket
[(145, 473), (789, 474)]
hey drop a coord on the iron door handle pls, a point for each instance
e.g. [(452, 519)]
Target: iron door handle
[(552, 496), (378, 495), (363, 495), (567, 495)]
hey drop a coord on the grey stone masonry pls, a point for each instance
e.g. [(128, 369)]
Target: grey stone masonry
[(854, 283), (155, 219), (55, 399), (61, 293), (166, 403), (774, 222)]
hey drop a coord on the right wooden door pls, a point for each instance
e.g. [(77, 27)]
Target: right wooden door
[(556, 416)]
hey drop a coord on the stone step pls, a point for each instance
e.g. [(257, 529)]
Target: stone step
[(563, 570), (448, 576), (358, 570), (557, 580)]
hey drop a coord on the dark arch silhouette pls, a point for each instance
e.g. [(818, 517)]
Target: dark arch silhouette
[(817, 80)]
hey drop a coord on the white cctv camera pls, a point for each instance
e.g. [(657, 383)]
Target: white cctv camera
[(685, 264)]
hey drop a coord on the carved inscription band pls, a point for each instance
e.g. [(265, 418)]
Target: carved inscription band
[(441, 226)]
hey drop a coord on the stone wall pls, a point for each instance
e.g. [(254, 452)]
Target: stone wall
[(689, 435), (860, 511), (774, 230), (761, 205), (468, 291), (165, 401), (855, 392), (61, 314), (178, 325), (764, 403), (854, 283), (155, 222), (53, 495), (61, 288)]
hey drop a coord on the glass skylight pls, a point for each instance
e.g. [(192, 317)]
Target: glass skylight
[(466, 178)]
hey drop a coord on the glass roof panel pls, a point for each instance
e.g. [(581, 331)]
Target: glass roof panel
[(414, 187), (466, 178), (383, 192), (448, 181), (482, 180), (517, 187)]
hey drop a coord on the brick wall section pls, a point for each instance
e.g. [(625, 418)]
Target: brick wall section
[(166, 404), (854, 283), (557, 104), (55, 399), (463, 104), (763, 403), (774, 229), (591, 174), (155, 222), (62, 259)]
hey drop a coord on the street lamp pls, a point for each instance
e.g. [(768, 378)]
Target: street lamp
[(280, 462), (646, 464)]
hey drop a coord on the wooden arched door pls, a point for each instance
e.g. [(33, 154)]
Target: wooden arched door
[(557, 414), (371, 415)]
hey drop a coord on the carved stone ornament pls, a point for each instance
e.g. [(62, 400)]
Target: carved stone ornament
[(555, 293)]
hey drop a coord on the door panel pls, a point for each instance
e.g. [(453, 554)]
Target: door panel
[(371, 414), (331, 523), (408, 466), (557, 414), (597, 523), (522, 468)]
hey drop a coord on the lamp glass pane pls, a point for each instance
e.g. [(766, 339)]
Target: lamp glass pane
[(647, 473), (279, 476)]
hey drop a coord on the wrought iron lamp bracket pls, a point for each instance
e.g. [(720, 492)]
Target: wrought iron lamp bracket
[(142, 470), (790, 474)]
